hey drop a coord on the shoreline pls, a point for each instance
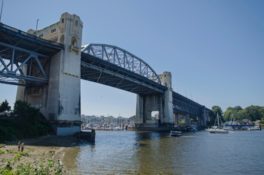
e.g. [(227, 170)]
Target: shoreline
[(54, 154)]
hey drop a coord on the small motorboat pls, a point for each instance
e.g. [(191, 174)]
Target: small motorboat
[(175, 133)]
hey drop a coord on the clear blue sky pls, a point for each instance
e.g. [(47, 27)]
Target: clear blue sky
[(214, 49)]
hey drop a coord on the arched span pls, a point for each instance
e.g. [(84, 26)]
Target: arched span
[(121, 58)]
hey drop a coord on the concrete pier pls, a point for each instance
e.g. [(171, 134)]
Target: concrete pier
[(161, 103), (59, 101)]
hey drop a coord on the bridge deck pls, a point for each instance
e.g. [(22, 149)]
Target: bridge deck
[(18, 38)]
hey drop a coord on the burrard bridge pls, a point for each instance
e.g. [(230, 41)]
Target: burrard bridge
[(48, 65)]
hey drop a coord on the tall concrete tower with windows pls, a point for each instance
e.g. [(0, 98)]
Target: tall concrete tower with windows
[(59, 101)]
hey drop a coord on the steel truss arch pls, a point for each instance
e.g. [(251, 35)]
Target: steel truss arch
[(121, 58)]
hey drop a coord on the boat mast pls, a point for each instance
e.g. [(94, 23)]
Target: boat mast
[(218, 123)]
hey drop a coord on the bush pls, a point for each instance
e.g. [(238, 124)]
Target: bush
[(24, 122), (4, 106)]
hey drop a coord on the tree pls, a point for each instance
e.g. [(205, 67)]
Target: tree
[(31, 122), (236, 113), (254, 112), (4, 106), (21, 108), (217, 110)]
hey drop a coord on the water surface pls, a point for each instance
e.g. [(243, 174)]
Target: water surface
[(201, 153)]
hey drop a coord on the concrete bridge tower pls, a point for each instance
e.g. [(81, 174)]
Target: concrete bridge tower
[(59, 101), (168, 118), (161, 103)]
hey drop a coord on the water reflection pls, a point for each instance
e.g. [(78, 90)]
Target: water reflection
[(154, 158), (157, 153)]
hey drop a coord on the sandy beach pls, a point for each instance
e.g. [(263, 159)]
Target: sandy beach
[(51, 154)]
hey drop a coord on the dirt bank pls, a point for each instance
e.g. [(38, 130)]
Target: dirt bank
[(49, 154)]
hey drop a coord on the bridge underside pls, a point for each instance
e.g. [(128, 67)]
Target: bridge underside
[(99, 71), (184, 105), (20, 51), (188, 110)]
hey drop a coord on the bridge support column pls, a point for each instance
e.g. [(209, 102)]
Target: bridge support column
[(205, 117), (149, 110), (168, 117), (59, 101), (162, 103)]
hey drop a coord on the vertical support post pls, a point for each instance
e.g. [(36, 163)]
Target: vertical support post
[(148, 105), (139, 111), (168, 118)]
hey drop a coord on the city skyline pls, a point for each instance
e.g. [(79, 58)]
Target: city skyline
[(213, 49)]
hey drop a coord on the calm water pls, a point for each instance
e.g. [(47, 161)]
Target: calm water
[(155, 153)]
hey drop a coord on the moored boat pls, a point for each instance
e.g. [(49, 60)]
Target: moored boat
[(175, 133), (217, 129)]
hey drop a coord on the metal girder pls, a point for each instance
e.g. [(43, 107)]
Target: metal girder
[(121, 58), (185, 105), (120, 77), (21, 67)]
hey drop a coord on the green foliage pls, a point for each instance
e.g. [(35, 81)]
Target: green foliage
[(42, 168), (18, 155), (19, 166), (237, 113), (2, 151), (4, 106), (6, 172), (7, 130), (217, 110), (234, 113), (24, 122), (252, 113)]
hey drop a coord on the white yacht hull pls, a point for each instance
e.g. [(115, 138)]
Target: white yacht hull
[(217, 131)]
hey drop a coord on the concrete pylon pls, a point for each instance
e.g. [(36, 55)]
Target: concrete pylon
[(168, 117), (162, 103), (59, 101), (146, 104)]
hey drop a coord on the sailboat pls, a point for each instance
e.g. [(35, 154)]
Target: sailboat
[(217, 128)]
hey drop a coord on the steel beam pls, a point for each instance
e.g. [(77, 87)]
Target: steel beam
[(13, 65), (120, 76)]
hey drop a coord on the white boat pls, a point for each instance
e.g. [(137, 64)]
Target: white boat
[(217, 129), (254, 128), (175, 133)]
